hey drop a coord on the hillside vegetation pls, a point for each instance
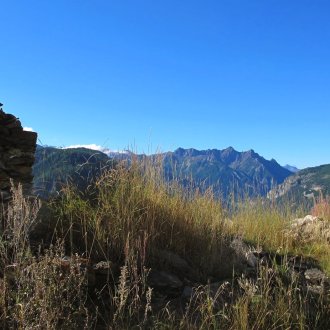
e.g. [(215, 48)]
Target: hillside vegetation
[(54, 168), (305, 186), (136, 252)]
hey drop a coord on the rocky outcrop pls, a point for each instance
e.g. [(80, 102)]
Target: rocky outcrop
[(309, 229), (17, 148)]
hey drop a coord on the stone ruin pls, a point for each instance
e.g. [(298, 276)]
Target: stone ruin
[(17, 148)]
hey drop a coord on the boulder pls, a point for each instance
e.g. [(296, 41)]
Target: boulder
[(188, 292), (104, 272), (173, 262), (234, 257), (243, 254), (309, 228), (315, 276), (317, 282), (17, 148), (165, 282)]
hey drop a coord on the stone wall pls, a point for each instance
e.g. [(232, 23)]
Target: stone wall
[(17, 148)]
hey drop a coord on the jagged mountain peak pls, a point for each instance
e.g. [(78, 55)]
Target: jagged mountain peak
[(222, 170)]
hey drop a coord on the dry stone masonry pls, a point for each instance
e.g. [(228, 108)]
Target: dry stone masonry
[(17, 148)]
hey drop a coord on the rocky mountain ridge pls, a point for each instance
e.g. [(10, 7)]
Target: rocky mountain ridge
[(305, 185), (226, 171)]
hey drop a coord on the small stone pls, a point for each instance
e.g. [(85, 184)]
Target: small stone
[(315, 276), (162, 279), (106, 268), (243, 253), (215, 288), (188, 292), (176, 263)]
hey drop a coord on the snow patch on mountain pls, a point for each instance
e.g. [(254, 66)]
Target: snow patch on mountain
[(96, 147)]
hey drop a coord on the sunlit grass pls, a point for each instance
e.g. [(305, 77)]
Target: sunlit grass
[(127, 216)]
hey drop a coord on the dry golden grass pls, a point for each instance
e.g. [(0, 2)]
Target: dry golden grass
[(322, 208), (127, 216)]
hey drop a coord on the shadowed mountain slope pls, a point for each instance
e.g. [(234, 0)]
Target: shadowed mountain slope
[(55, 167), (305, 185), (226, 171)]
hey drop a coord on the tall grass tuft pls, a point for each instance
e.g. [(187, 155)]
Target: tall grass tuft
[(321, 207), (129, 202), (36, 291), (128, 217)]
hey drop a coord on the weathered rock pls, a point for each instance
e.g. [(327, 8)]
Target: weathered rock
[(315, 289), (308, 219), (188, 292), (299, 263), (317, 282), (315, 276), (106, 268), (17, 148), (234, 257), (165, 282), (177, 264), (309, 228), (243, 254), (104, 272)]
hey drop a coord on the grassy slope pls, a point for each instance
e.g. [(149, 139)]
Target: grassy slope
[(128, 219)]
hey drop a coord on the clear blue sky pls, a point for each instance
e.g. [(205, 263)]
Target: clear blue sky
[(167, 74)]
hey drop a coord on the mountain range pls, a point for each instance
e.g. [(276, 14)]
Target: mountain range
[(225, 171), (306, 185)]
